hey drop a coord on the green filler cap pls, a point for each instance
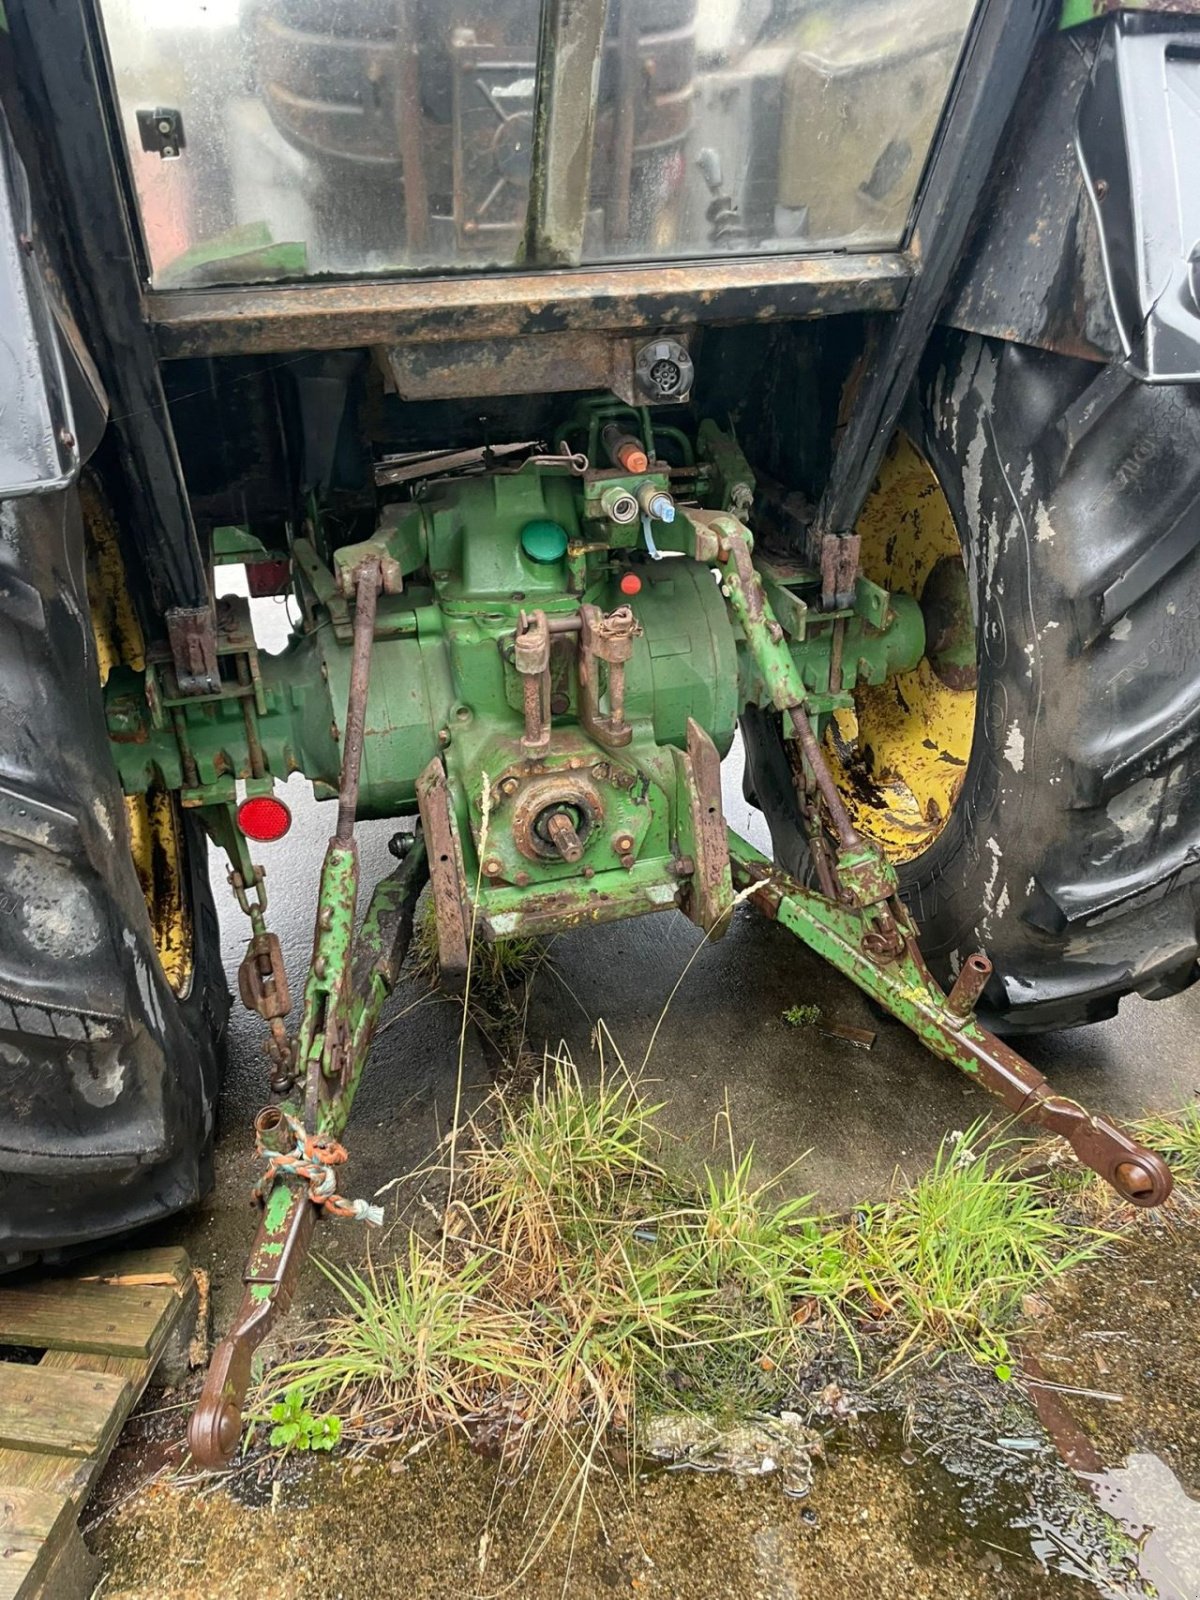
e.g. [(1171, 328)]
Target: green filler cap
[(543, 540)]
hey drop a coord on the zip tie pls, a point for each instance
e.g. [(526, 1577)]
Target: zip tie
[(313, 1158)]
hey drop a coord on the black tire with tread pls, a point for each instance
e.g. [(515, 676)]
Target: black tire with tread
[(1073, 853), (108, 1080)]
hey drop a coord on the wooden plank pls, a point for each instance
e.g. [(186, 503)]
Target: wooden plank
[(68, 1572), (63, 1413), (15, 1569), (34, 1525), (66, 1475), (101, 1335), (133, 1369), (166, 1264), (31, 1513), (102, 1318)]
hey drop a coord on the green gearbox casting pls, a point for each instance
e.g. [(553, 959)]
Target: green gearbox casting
[(544, 633)]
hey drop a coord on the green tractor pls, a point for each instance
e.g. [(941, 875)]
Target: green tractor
[(591, 380)]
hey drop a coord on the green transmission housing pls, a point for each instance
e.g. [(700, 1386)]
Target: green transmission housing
[(473, 565)]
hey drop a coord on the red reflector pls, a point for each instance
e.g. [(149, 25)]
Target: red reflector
[(264, 818), (630, 583)]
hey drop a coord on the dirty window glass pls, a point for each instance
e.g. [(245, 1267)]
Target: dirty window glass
[(325, 136), (276, 139), (754, 125)]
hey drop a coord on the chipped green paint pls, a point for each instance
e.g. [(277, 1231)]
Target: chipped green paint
[(261, 1291), (279, 1205), (270, 1249)]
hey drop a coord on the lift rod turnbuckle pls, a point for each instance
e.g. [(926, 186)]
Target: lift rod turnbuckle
[(348, 982)]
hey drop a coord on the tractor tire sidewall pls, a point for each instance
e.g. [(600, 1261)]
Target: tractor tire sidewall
[(1072, 853), (204, 1010), (1055, 859)]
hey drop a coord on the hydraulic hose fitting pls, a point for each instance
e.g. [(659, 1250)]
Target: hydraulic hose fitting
[(656, 503), (619, 506), (623, 449)]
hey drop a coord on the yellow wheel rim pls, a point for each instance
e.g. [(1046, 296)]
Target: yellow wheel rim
[(153, 819), (900, 757), (156, 842)]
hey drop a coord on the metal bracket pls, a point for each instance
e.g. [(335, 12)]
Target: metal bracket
[(709, 893), (192, 636), (531, 657), (446, 873), (608, 639), (161, 132)]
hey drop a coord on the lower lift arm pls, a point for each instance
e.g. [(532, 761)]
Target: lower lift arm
[(347, 984), (859, 924)]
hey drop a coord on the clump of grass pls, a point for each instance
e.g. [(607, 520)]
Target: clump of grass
[(951, 1256), (1176, 1137), (577, 1278), (578, 1284), (806, 1016), (419, 1345)]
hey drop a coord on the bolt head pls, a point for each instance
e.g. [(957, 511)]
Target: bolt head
[(493, 867), (623, 844)]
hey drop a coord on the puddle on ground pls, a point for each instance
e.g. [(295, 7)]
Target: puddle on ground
[(958, 1493)]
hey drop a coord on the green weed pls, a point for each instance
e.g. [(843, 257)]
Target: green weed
[(498, 994), (296, 1428), (577, 1278), (950, 1257), (802, 1016)]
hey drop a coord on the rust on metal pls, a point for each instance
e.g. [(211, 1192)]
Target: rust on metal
[(333, 316), (847, 836), (192, 636), (541, 363), (545, 795), (1138, 1175), (710, 889), (531, 657), (366, 600), (969, 985), (839, 555), (564, 837), (608, 639), (409, 140), (447, 874), (279, 1251), (262, 978), (862, 1038)]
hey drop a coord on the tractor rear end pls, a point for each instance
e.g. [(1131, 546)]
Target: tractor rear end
[(596, 384)]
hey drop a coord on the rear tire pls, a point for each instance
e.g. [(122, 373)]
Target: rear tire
[(1072, 854), (108, 1077)]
